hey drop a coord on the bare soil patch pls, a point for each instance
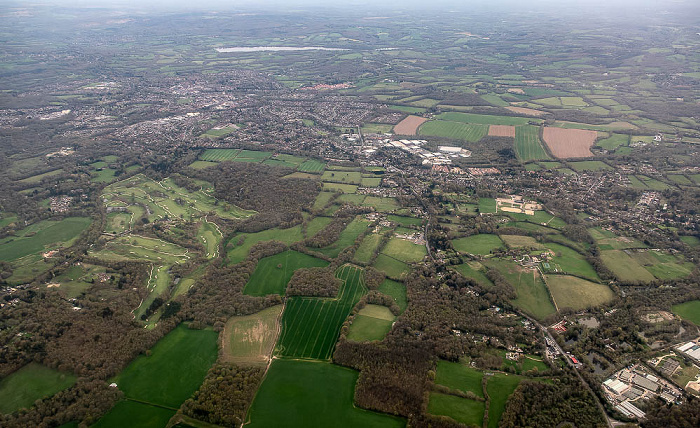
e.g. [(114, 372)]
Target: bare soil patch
[(526, 111), (569, 143), (409, 126), (502, 131)]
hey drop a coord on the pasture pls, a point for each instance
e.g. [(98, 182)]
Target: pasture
[(624, 267), (367, 248), (381, 204), (313, 166), (404, 250), (129, 413), (346, 177), (590, 166), (527, 143), (30, 383), (239, 246), (42, 236), (499, 387), (607, 240), (689, 311), (405, 221), (485, 119), (324, 397), (310, 326), (338, 187), (569, 143), (517, 241), (662, 264), (347, 237), (459, 376), (396, 291), (393, 268), (173, 371), (569, 261), (219, 155), (462, 410), (576, 293), (372, 322), (409, 125), (250, 339), (273, 273), (532, 294), (474, 271), (454, 130), (482, 244), (614, 141)]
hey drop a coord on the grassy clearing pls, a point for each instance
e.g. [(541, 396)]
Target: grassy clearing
[(240, 245), (663, 265), (532, 295), (42, 236), (468, 412), (338, 187), (517, 241), (310, 326), (404, 250), (607, 240), (569, 261), (614, 141), (484, 119), (381, 204), (371, 182), (395, 290), (371, 323), (459, 376), (624, 267), (405, 221), (474, 271), (317, 224), (487, 206), (30, 383), (367, 248), (347, 177), (454, 130), (528, 145), (324, 398), (132, 414), (500, 387), (273, 273), (347, 237), (393, 268), (693, 241), (250, 339), (478, 244), (322, 200), (39, 177), (576, 293), (174, 369), (689, 311), (219, 155), (312, 166)]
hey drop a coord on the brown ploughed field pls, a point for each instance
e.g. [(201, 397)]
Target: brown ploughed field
[(569, 143), (526, 111), (409, 126), (502, 131)]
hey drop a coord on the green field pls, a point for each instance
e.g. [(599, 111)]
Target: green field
[(199, 164), (590, 166), (310, 326), (219, 155), (367, 247), (347, 177), (30, 383), (693, 241), (468, 412), (393, 268), (576, 293), (312, 166), (528, 145), (532, 294), (478, 244), (238, 253), (475, 271), (487, 206), (322, 200), (220, 132), (663, 265), (173, 371), (404, 250), (405, 221), (453, 130), (39, 177), (134, 247), (339, 187), (273, 273), (250, 339), (347, 237), (323, 399), (211, 237), (371, 323), (459, 376), (624, 267), (569, 261), (500, 387), (689, 311), (395, 290), (42, 236), (129, 413), (607, 240), (381, 204), (484, 119), (517, 241), (614, 141), (371, 181)]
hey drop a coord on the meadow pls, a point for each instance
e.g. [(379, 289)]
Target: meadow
[(404, 250), (371, 323), (532, 294), (324, 397), (689, 311), (663, 265), (463, 410), (499, 387), (347, 237), (453, 130), (482, 244), (624, 267), (528, 145), (42, 236), (347, 177), (569, 261), (393, 268), (367, 248), (312, 166), (576, 293), (237, 253), (250, 339), (459, 376), (273, 273), (395, 290), (30, 383), (484, 119), (173, 370), (590, 166), (381, 204), (310, 326), (219, 155), (474, 271), (129, 413)]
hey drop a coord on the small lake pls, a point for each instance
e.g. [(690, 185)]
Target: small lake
[(245, 49)]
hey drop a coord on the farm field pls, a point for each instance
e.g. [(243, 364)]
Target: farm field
[(30, 383), (624, 267), (526, 111), (663, 265), (370, 181), (317, 224), (42, 236), (485, 119), (475, 271), (463, 410), (502, 131), (590, 166), (532, 294), (405, 221), (338, 187), (500, 387), (347, 177), (322, 200), (404, 250), (273, 273), (381, 204), (39, 177), (527, 143), (367, 247), (569, 261), (517, 241), (693, 241), (607, 240), (459, 376), (238, 253), (371, 323), (569, 143), (173, 371), (454, 130), (324, 397), (614, 141), (482, 244), (347, 237), (129, 413), (310, 326), (487, 206), (312, 166), (219, 155), (250, 339), (409, 125), (200, 164), (689, 311), (395, 290), (576, 293)]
